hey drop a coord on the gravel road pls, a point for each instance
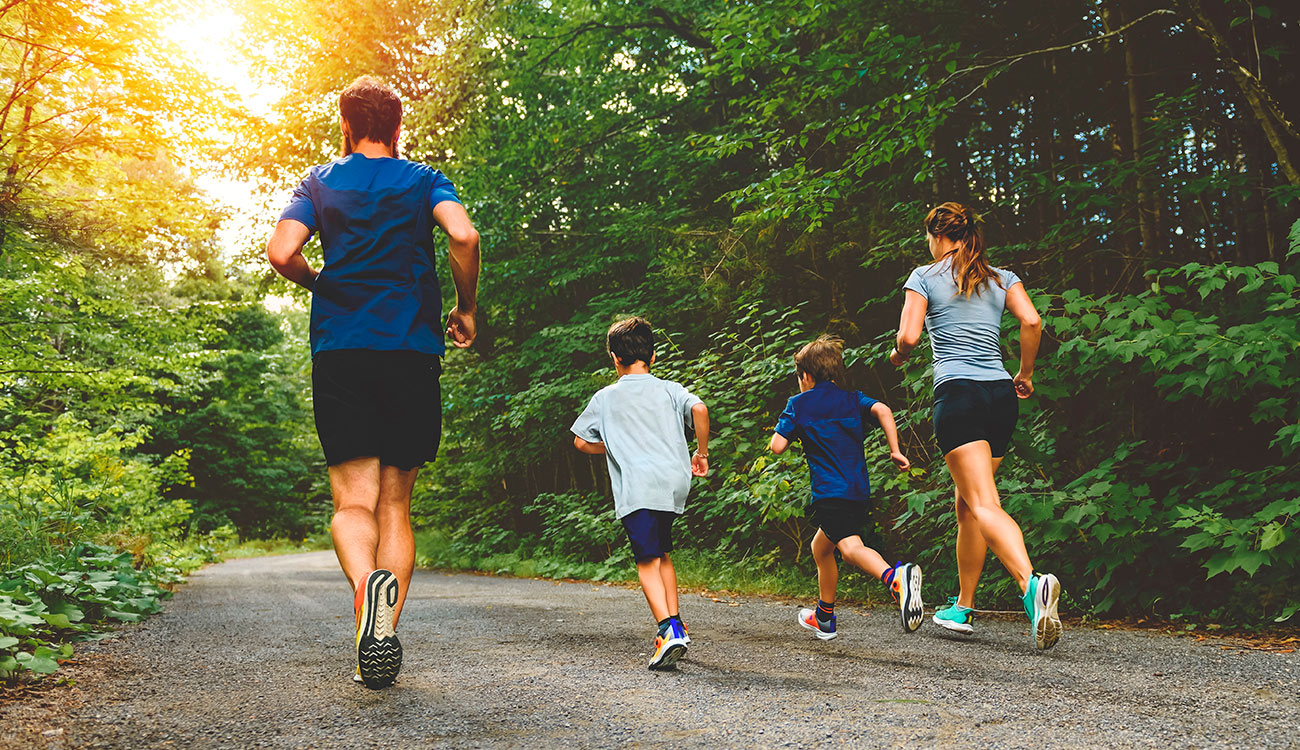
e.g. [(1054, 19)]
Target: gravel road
[(256, 654)]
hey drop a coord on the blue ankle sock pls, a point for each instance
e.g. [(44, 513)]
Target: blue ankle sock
[(825, 611)]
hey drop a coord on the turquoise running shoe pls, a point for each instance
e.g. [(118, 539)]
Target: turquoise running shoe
[(955, 617), (1041, 598)]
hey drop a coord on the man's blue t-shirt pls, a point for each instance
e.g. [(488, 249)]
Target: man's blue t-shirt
[(830, 423), (379, 286)]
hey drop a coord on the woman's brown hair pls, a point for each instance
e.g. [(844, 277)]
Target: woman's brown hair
[(970, 269)]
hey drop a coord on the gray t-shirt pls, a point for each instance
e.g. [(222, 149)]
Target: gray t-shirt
[(642, 421), (965, 332)]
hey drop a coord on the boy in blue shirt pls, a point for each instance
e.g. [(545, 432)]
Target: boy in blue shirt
[(639, 424), (829, 423)]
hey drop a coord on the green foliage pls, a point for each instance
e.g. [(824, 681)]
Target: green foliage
[(44, 605), (750, 175)]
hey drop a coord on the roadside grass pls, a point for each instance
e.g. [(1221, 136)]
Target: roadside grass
[(269, 547), (697, 570)]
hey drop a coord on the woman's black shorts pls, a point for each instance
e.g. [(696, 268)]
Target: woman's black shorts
[(970, 410), (373, 403)]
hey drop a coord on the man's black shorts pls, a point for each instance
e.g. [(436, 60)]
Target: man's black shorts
[(375, 403), (840, 519), (650, 532), (969, 410)]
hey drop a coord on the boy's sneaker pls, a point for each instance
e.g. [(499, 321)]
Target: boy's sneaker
[(1041, 598), (379, 653), (669, 646), (823, 630), (955, 617), (907, 587)]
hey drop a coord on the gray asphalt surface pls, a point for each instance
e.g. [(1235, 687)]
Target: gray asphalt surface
[(256, 654)]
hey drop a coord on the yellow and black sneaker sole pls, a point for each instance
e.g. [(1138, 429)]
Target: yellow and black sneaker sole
[(379, 652)]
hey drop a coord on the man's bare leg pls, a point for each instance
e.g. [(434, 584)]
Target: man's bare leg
[(355, 485), (396, 549)]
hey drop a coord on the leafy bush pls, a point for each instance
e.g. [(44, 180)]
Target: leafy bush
[(44, 605)]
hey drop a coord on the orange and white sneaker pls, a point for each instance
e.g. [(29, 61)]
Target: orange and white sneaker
[(906, 586), (669, 646), (823, 630), (379, 653)]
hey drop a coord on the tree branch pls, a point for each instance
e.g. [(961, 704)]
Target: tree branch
[(1013, 59), (1268, 112)]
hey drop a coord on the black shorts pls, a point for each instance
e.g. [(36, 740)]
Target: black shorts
[(373, 403), (970, 410), (841, 519), (650, 532)]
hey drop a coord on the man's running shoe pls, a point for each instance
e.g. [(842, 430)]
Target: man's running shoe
[(356, 676), (1041, 598), (379, 653), (669, 646), (955, 617), (907, 587), (686, 633), (823, 630)]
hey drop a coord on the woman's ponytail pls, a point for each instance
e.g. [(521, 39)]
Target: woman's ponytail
[(970, 269)]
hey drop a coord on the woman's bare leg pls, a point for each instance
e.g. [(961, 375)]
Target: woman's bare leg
[(971, 467)]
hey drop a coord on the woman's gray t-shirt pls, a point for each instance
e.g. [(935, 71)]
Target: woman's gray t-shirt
[(965, 332), (642, 421)]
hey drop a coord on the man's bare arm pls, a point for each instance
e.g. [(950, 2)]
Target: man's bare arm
[(284, 250), (465, 263)]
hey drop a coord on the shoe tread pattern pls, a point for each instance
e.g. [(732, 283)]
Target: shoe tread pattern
[(911, 608), (379, 652)]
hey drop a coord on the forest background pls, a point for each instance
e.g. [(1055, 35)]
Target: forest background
[(747, 176)]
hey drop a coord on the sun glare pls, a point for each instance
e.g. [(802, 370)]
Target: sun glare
[(210, 37)]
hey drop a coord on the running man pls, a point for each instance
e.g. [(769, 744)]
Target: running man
[(960, 299), (376, 343)]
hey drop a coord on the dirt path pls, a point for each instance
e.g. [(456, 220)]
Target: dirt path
[(255, 653)]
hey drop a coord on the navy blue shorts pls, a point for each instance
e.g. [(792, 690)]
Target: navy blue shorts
[(969, 410), (650, 532)]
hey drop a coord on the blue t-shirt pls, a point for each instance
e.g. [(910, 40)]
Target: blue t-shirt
[(830, 423), (379, 286), (965, 332)]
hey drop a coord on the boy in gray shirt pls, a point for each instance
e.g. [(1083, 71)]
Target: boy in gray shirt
[(640, 424)]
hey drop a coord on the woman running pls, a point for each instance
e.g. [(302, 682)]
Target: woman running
[(960, 299)]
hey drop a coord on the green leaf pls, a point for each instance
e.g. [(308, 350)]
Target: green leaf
[(1273, 535), (7, 641), (41, 660)]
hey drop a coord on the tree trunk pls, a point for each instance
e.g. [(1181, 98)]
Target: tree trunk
[(1148, 217), (1268, 112)]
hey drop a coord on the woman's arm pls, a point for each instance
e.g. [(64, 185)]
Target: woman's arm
[(909, 327), (1031, 332)]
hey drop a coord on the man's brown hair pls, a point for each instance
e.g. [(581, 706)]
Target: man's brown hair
[(822, 359), (372, 111)]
